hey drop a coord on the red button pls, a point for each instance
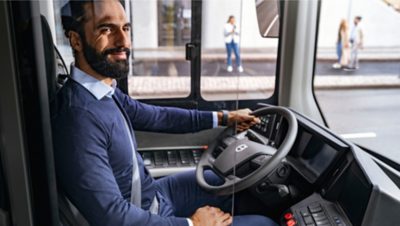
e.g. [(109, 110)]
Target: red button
[(291, 223), (288, 216)]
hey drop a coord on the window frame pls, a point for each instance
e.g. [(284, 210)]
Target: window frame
[(27, 160), (315, 66)]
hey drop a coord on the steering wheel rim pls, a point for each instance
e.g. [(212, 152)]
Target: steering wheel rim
[(218, 166)]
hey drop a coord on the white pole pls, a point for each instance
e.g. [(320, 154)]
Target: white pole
[(47, 10), (349, 11)]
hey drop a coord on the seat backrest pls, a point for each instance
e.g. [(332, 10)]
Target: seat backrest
[(56, 74), (50, 59), (69, 214)]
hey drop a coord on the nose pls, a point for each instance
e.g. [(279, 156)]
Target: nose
[(122, 39)]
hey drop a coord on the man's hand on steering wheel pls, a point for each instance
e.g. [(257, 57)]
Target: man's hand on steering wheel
[(242, 118)]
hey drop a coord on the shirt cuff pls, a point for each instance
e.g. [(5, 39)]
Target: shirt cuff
[(189, 222), (215, 123)]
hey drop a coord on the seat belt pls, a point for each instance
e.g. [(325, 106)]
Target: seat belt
[(136, 187), (136, 190)]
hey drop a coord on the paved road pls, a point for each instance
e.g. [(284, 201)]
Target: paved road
[(218, 68), (372, 114), (366, 68)]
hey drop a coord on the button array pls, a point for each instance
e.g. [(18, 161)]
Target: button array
[(171, 158), (314, 215)]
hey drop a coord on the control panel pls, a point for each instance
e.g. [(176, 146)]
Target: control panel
[(315, 211)]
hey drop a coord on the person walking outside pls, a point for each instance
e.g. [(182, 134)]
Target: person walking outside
[(357, 42), (342, 46), (231, 32)]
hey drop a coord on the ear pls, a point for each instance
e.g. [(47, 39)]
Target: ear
[(75, 41)]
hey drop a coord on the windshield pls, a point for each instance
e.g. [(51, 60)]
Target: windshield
[(357, 81)]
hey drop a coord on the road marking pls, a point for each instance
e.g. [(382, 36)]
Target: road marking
[(358, 135)]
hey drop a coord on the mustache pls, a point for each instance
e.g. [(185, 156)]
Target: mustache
[(116, 50)]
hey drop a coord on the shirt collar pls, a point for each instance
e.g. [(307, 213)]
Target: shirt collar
[(96, 87)]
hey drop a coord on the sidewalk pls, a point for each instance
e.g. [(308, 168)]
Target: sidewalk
[(367, 54), (251, 85), (262, 54), (164, 86)]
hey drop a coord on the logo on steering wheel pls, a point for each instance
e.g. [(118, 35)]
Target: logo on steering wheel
[(241, 148)]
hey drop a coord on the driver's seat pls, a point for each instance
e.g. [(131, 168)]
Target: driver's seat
[(55, 75), (69, 214)]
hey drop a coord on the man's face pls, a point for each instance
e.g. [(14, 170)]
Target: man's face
[(106, 42)]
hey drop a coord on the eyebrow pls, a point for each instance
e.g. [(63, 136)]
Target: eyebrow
[(112, 25)]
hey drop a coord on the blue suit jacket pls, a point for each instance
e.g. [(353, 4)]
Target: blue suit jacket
[(94, 159)]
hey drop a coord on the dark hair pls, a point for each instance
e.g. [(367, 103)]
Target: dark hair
[(73, 15), (230, 17), (359, 18)]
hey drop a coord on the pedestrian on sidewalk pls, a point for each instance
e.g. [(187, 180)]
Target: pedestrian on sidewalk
[(342, 46), (231, 33), (357, 42)]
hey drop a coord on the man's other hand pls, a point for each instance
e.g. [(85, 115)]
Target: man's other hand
[(211, 216)]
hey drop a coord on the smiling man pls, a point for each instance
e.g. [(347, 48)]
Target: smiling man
[(93, 125)]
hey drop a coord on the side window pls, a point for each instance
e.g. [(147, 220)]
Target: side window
[(60, 40), (237, 63), (357, 77)]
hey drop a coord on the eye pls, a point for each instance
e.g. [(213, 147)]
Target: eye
[(105, 30), (127, 28)]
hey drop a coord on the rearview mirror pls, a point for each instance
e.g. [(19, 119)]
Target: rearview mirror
[(268, 18)]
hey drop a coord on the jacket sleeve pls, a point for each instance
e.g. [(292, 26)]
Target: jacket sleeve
[(237, 29), (227, 30), (85, 175), (147, 117)]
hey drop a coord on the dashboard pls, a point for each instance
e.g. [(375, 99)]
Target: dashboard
[(314, 151), (325, 162), (336, 182), (345, 185)]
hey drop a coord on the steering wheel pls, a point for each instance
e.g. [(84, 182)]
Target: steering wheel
[(241, 150)]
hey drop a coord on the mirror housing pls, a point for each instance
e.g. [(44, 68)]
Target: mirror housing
[(268, 12)]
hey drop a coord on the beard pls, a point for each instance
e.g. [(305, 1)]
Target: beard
[(99, 62)]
